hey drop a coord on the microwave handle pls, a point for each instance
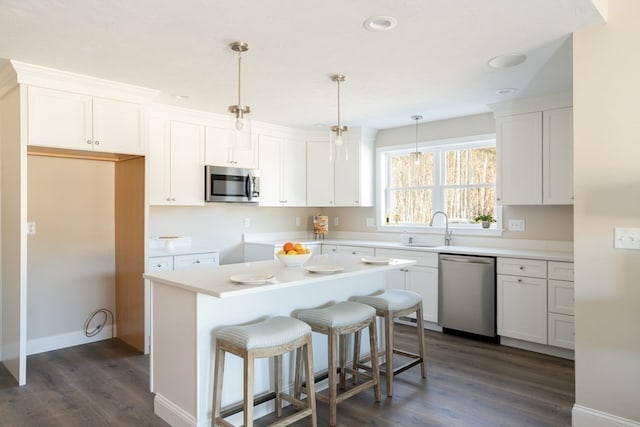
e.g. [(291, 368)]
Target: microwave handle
[(248, 186)]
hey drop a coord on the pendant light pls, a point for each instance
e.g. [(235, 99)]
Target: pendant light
[(337, 141), (416, 154), (240, 135)]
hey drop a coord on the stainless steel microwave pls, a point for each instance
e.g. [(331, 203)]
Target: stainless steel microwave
[(231, 185)]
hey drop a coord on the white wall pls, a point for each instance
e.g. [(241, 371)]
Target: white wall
[(607, 195), (71, 258)]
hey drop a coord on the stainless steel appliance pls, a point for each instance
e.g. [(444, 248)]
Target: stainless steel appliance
[(467, 294), (233, 185)]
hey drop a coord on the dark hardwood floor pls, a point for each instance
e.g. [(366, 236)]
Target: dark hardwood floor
[(469, 383)]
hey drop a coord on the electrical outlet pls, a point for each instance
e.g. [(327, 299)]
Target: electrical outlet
[(31, 228), (247, 222), (336, 221), (371, 222), (297, 221), (516, 225)]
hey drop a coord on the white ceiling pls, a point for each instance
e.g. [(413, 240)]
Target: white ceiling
[(434, 63)]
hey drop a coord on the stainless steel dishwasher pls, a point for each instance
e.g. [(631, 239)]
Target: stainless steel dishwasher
[(467, 294)]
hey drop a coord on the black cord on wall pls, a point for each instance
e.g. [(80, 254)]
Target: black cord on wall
[(104, 312)]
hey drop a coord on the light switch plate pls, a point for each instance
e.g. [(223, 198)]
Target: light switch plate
[(516, 225), (336, 221), (297, 221), (31, 228), (627, 238), (247, 222), (371, 222)]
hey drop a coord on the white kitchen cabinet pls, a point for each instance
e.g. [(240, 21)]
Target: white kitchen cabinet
[(182, 261), (561, 304), (348, 250), (421, 278), (535, 158), (522, 299), (176, 163), (557, 156), (82, 122), (320, 175), (160, 263), (283, 171), (219, 152), (342, 181)]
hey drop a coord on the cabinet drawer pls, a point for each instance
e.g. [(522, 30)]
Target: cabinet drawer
[(560, 297), (561, 330), (355, 250), (561, 270), (425, 259), (196, 260), (160, 263), (522, 267)]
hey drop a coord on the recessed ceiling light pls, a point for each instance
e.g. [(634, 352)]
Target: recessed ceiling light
[(380, 23), (181, 97), (506, 61), (506, 91)]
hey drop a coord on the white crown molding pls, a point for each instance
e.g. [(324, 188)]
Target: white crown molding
[(529, 105), (37, 75)]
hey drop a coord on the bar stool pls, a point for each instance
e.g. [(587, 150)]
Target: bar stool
[(391, 305), (270, 338), (338, 321)]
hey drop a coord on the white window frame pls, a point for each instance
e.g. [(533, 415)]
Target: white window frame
[(382, 196)]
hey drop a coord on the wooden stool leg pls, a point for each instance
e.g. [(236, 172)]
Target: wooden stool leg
[(297, 387), (311, 389), (277, 370), (356, 355), (333, 377), (388, 358), (249, 362), (421, 352), (217, 383), (343, 361), (375, 370)]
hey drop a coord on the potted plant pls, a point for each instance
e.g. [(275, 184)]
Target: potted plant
[(485, 219)]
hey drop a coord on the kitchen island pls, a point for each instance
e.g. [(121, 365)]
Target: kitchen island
[(187, 306)]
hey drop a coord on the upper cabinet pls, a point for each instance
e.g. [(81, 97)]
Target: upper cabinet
[(82, 122), (344, 177), (176, 163), (535, 158), (219, 151), (283, 174)]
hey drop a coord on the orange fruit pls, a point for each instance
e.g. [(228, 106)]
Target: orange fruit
[(288, 247), (292, 252), (298, 246), (300, 251)]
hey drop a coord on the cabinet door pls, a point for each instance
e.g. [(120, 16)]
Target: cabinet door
[(522, 308), (561, 299), (270, 164), (218, 152), (187, 164), (347, 176), (294, 173), (159, 162), (329, 249), (395, 279), (561, 330), (424, 281), (519, 158), (59, 119), (557, 152), (117, 127), (319, 175)]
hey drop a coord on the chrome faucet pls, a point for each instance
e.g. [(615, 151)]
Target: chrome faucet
[(447, 233)]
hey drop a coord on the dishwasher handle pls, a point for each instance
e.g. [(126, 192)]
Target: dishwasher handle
[(467, 259)]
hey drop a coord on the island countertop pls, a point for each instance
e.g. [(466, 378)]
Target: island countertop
[(215, 280)]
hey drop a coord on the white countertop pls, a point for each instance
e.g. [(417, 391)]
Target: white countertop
[(215, 281), (460, 250)]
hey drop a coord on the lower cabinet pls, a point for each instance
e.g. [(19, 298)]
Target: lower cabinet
[(561, 330), (179, 262), (421, 278), (351, 250), (522, 308), (561, 321)]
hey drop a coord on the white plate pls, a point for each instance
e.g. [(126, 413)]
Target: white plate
[(323, 268), (251, 279), (377, 260)]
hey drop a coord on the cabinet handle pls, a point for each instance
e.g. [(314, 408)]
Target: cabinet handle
[(521, 267), (97, 142), (197, 261), (89, 141), (158, 265)]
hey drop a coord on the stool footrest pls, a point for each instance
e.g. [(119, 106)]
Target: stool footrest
[(298, 403), (285, 421)]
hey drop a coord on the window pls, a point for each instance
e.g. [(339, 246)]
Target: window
[(457, 177)]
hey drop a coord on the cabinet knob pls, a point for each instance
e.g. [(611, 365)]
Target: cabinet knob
[(353, 253), (168, 199), (97, 142), (519, 280), (89, 141), (330, 202), (197, 261), (521, 267), (158, 265), (357, 202)]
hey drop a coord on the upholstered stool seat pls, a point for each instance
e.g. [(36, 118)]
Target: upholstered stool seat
[(391, 305), (270, 338), (338, 321)]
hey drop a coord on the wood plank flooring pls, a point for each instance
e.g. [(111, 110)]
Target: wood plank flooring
[(469, 383)]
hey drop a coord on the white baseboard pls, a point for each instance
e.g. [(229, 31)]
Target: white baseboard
[(587, 417), (538, 348), (172, 413), (55, 342)]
